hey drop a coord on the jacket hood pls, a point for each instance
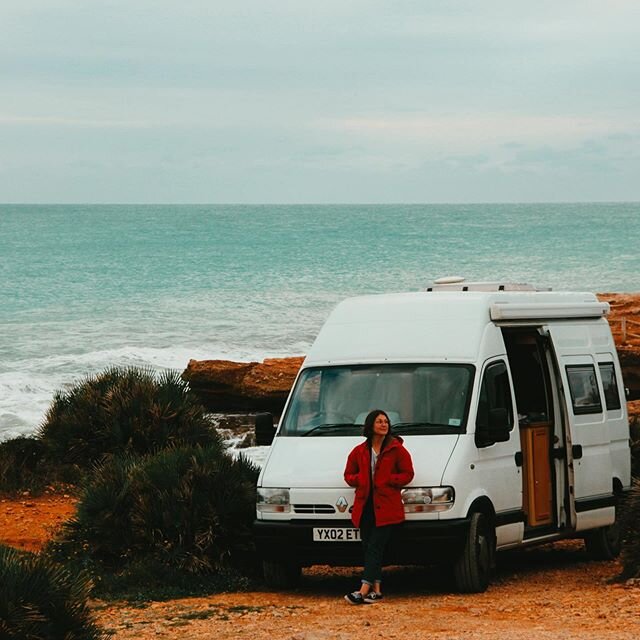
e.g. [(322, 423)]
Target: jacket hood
[(394, 441)]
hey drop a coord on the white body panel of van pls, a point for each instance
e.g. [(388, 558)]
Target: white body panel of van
[(514, 399)]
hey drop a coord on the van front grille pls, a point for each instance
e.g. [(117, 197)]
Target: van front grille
[(313, 508)]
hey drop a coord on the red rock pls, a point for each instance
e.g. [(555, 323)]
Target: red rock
[(624, 306), (223, 385)]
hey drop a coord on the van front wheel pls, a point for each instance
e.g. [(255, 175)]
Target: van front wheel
[(283, 575), (472, 570)]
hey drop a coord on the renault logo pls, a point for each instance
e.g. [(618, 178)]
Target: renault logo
[(342, 504)]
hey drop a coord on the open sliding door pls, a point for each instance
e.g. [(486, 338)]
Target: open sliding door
[(588, 451)]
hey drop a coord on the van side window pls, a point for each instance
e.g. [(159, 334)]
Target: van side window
[(494, 419), (583, 386), (610, 385)]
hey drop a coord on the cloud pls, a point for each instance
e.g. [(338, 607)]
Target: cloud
[(335, 100), (83, 123), (468, 130)]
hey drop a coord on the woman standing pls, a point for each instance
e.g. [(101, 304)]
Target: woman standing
[(378, 469)]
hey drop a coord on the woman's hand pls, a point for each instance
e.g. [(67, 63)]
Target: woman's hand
[(352, 479), (404, 474), (352, 471)]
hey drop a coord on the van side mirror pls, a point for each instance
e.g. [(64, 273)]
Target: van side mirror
[(265, 430)]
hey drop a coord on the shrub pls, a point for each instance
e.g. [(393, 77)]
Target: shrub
[(123, 411), (148, 579), (21, 465), (41, 599), (189, 507), (634, 431), (630, 533)]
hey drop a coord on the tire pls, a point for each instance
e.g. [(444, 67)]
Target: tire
[(281, 574), (472, 570), (604, 543)]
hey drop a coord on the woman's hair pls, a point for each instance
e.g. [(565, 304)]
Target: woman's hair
[(367, 431)]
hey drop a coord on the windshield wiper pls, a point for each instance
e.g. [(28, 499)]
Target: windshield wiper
[(329, 426), (410, 426)]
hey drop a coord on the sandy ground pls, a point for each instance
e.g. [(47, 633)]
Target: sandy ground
[(26, 522), (552, 592), (547, 592)]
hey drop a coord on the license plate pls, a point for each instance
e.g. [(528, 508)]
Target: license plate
[(335, 534)]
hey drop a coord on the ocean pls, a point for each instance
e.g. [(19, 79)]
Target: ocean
[(84, 287)]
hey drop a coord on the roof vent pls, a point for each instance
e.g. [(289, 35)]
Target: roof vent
[(449, 280), (458, 283)]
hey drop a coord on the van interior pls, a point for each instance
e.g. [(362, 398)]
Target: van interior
[(540, 428)]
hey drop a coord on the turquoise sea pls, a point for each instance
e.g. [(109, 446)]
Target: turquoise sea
[(83, 287)]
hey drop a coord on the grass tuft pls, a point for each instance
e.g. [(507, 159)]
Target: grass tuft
[(41, 599)]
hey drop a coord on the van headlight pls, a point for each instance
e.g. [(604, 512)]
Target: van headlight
[(428, 499), (273, 500)]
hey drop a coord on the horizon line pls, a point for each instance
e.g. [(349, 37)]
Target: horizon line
[(320, 204)]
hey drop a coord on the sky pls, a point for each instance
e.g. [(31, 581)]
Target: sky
[(292, 101)]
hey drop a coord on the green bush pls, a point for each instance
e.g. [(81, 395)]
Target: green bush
[(188, 507), (40, 599), (22, 465), (123, 411)]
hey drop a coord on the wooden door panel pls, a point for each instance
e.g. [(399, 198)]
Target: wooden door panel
[(537, 489)]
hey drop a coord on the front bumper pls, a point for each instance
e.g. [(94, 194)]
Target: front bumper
[(414, 542)]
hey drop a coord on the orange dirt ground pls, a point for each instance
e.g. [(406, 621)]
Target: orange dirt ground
[(550, 592), (27, 523)]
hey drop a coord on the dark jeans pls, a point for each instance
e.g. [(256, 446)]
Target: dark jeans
[(374, 542)]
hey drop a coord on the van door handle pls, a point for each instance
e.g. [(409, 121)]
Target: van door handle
[(576, 451), (518, 458)]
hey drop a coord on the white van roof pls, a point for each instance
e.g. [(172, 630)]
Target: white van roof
[(435, 325)]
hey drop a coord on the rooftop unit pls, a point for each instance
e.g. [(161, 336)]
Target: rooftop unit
[(457, 283)]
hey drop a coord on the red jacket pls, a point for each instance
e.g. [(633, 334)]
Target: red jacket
[(393, 471)]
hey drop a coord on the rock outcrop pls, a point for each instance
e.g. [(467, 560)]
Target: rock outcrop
[(223, 385), (625, 326), (624, 318)]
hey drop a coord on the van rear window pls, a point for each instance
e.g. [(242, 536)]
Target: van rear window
[(610, 386), (583, 386)]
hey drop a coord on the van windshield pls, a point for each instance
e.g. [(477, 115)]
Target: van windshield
[(419, 399)]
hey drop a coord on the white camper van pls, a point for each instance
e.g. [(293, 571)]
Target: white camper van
[(509, 399)]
